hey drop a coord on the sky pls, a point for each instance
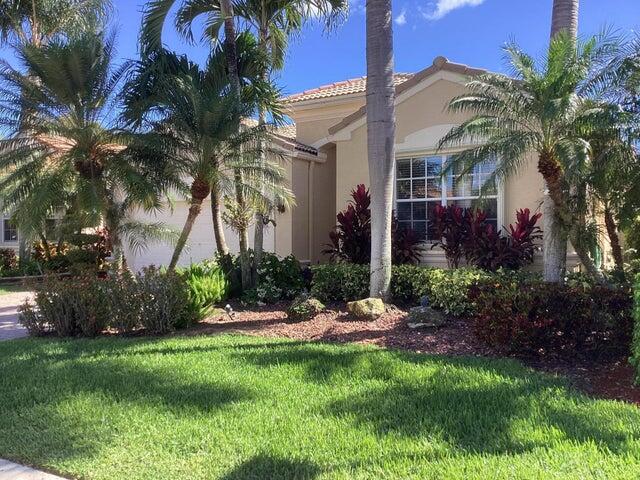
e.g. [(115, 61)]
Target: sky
[(465, 31)]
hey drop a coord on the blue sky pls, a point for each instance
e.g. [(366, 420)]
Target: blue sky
[(465, 31)]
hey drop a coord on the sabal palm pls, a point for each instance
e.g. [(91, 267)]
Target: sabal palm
[(66, 154), (539, 109), (36, 22), (197, 109)]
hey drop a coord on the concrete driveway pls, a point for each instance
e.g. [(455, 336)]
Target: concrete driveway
[(9, 326)]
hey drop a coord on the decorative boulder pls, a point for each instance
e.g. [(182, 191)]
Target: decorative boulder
[(303, 308), (425, 317), (367, 309)]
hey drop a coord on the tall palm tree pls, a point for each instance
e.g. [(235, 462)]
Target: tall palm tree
[(380, 100), (67, 154), (273, 21), (564, 19), (199, 114), (539, 109), (154, 18)]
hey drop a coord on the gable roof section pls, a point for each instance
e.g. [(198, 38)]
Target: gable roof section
[(440, 64), (338, 89)]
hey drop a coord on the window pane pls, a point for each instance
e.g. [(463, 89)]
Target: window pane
[(417, 188), (10, 231), (403, 212), (417, 167), (419, 210), (420, 229), (434, 166), (404, 225), (404, 189), (403, 169), (434, 188), (430, 216), (462, 187)]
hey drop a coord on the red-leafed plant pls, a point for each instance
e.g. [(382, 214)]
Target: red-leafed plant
[(451, 227), (351, 237), (467, 233)]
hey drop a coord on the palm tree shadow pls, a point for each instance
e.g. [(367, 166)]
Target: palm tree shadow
[(265, 466)]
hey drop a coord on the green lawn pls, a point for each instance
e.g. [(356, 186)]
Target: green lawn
[(12, 288), (237, 407)]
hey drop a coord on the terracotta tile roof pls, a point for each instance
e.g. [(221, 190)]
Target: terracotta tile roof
[(345, 87), (288, 133), (439, 63)]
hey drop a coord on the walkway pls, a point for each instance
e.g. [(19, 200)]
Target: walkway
[(13, 471), (9, 326)]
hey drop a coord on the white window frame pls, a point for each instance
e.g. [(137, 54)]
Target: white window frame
[(499, 196), (6, 218)]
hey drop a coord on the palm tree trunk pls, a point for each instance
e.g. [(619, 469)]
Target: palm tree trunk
[(194, 210), (614, 239), (259, 224), (565, 17), (199, 191), (218, 225), (380, 100), (552, 174), (226, 9)]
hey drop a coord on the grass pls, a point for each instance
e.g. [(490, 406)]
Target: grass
[(237, 407), (12, 288)]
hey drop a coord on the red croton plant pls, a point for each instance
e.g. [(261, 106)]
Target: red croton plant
[(466, 233), (351, 237)]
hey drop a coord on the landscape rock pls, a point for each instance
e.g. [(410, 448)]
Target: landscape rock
[(367, 309), (425, 317), (303, 308)]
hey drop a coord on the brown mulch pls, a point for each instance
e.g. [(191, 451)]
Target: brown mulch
[(609, 378)]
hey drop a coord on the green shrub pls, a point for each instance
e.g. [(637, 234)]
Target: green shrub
[(70, 307), (87, 305), (409, 283), (335, 282), (278, 279), (449, 289), (124, 302), (534, 317), (635, 344), (304, 307), (164, 301), (207, 286)]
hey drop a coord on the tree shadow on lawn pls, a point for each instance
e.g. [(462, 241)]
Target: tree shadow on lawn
[(38, 423), (265, 466), (476, 405)]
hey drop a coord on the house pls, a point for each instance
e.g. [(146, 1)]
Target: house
[(327, 151)]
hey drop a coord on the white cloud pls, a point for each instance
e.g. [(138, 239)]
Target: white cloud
[(442, 7), (402, 18)]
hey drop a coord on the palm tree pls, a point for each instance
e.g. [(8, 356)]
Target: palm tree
[(36, 22), (380, 100), (67, 154), (564, 19), (274, 21), (539, 109), (199, 114), (155, 16)]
